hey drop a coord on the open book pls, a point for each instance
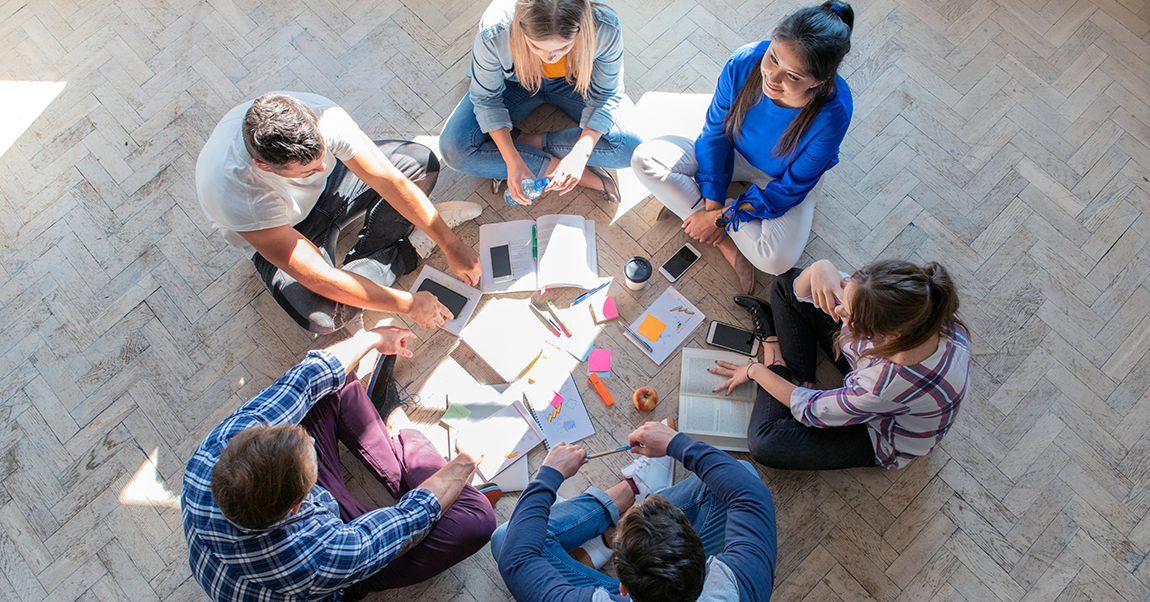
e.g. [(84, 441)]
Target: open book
[(564, 246), (713, 417)]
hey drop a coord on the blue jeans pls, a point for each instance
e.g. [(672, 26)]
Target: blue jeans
[(586, 516), (468, 150)]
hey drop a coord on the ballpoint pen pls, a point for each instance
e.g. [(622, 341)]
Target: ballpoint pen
[(551, 308), (543, 318), (609, 452), (589, 293), (636, 336)]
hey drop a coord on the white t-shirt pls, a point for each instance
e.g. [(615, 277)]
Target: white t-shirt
[(240, 197)]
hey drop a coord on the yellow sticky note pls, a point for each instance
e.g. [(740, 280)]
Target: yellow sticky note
[(651, 327)]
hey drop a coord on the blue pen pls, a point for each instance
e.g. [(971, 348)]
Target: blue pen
[(609, 452), (589, 293)]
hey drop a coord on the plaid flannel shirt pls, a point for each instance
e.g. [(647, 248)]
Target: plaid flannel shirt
[(907, 409), (310, 554)]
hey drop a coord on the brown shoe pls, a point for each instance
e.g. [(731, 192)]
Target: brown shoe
[(746, 273)]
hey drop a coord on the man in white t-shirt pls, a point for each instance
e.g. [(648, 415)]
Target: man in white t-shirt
[(282, 174)]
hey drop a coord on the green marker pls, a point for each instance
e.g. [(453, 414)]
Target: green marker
[(534, 244)]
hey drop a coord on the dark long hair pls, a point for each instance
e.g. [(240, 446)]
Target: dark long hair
[(821, 37), (901, 300)]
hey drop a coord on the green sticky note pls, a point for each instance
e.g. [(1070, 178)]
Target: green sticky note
[(456, 411)]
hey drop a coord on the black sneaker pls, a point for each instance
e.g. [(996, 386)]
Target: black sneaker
[(761, 315), (381, 388)]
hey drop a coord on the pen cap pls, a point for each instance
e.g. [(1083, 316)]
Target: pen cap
[(638, 271)]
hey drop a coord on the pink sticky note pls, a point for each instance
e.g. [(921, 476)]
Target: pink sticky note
[(600, 360), (609, 310), (557, 400), (605, 310)]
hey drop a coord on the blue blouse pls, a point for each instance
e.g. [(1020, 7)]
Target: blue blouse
[(794, 175)]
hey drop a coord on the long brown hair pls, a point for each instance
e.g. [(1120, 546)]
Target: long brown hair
[(902, 302), (821, 37), (543, 20)]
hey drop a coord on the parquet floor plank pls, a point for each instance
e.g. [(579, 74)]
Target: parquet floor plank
[(1008, 140)]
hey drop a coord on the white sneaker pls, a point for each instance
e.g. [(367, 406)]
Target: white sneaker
[(452, 212), (650, 475)]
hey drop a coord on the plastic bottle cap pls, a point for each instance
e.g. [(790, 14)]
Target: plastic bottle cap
[(637, 269), (542, 182)]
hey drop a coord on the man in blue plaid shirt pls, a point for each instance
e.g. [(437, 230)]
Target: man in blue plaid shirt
[(268, 517)]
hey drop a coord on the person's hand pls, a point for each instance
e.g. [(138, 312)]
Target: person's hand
[(737, 374), (464, 262), (701, 227), (826, 286), (393, 340), (568, 173), (651, 439), (427, 311), (517, 171), (566, 459), (464, 449)]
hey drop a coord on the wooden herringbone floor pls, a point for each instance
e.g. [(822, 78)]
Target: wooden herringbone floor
[(1009, 139)]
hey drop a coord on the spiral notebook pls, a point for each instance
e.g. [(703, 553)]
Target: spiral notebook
[(555, 404)]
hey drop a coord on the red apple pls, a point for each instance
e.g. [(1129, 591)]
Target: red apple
[(645, 399)]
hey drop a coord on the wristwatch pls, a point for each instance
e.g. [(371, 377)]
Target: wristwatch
[(721, 222)]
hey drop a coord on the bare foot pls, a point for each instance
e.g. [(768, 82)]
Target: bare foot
[(743, 268), (397, 421)]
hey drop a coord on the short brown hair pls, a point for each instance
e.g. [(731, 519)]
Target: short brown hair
[(280, 130), (262, 474), (897, 297), (659, 556)]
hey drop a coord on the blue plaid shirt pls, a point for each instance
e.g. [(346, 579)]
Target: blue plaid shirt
[(310, 554)]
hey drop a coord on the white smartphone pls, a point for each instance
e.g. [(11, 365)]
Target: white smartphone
[(501, 263), (679, 262), (733, 338)]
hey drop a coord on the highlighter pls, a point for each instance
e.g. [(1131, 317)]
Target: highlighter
[(602, 389)]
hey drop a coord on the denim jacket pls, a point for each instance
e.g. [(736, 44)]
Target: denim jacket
[(491, 66)]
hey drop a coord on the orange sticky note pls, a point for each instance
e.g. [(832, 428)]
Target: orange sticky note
[(651, 327)]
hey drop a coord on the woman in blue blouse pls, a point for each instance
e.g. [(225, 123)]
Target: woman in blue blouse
[(778, 116)]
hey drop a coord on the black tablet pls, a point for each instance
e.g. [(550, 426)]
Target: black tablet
[(451, 299)]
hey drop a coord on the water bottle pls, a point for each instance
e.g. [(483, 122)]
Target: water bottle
[(532, 188)]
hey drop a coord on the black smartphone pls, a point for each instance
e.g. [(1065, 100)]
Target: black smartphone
[(501, 263), (453, 301), (733, 338)]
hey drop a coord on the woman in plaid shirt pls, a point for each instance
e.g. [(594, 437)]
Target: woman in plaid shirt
[(893, 330)]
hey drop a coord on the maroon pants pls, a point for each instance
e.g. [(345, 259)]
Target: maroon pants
[(400, 464)]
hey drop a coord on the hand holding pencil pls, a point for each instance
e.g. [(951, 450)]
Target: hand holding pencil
[(566, 458)]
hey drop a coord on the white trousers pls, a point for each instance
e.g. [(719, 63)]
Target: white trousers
[(666, 166)]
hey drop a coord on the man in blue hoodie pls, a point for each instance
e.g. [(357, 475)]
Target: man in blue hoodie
[(711, 537)]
